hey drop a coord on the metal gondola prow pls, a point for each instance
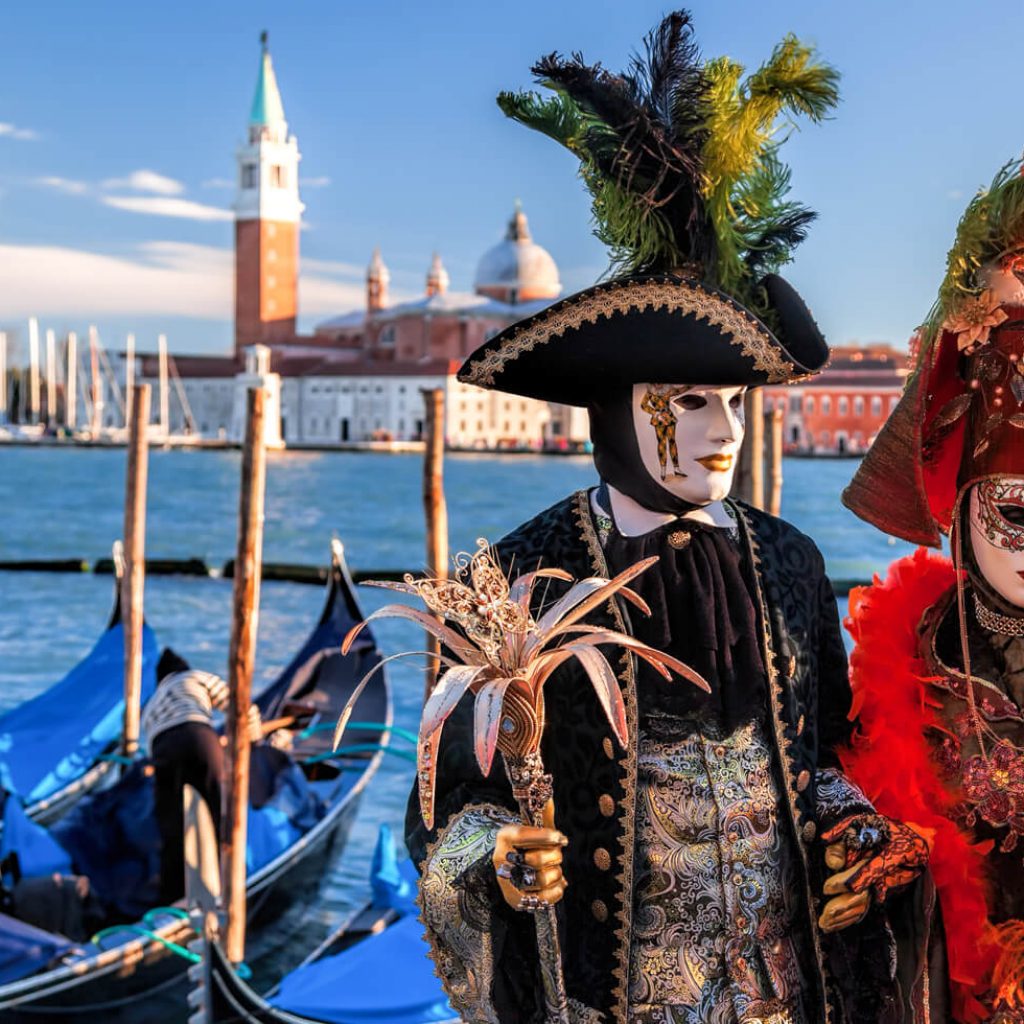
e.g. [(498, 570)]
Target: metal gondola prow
[(117, 557), (202, 899)]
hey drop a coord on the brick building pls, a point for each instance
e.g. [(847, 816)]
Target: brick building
[(840, 411)]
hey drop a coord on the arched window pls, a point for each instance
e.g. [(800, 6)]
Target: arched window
[(844, 405)]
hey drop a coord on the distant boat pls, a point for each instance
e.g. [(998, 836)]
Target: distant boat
[(132, 965)]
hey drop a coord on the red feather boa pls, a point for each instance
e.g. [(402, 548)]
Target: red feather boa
[(890, 758)]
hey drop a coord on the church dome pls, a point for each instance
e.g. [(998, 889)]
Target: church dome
[(517, 269)]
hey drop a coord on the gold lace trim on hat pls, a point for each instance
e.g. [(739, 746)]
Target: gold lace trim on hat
[(616, 299)]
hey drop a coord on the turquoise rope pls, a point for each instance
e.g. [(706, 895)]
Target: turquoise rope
[(396, 730), (178, 912), (243, 969), (181, 951), (360, 748), (117, 758)]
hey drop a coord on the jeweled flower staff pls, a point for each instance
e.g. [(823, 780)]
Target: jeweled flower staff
[(504, 656)]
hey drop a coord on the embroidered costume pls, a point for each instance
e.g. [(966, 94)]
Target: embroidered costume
[(937, 671), (694, 862)]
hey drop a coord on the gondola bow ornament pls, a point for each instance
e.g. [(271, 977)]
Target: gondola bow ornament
[(497, 650)]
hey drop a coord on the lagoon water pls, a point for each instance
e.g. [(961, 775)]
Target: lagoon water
[(68, 503)]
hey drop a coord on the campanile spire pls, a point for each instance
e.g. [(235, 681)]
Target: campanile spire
[(267, 216)]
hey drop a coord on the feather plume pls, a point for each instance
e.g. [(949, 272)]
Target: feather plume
[(757, 227), (680, 156), (990, 228)]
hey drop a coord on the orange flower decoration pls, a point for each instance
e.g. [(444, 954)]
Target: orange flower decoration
[(974, 319), (1014, 262)]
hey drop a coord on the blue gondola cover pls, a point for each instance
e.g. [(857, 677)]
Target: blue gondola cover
[(55, 737)]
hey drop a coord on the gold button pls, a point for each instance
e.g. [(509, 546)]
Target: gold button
[(679, 539), (602, 858), (810, 831), (599, 910), (606, 805), (803, 780), (609, 749)]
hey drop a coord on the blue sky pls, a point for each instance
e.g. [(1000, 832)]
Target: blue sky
[(110, 109)]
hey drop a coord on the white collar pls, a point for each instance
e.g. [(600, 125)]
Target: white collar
[(633, 520)]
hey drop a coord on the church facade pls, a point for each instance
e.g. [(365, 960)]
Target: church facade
[(359, 377)]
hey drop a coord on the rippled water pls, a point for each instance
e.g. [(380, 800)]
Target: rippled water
[(68, 503)]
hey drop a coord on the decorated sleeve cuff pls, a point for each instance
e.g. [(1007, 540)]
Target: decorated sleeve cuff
[(836, 797)]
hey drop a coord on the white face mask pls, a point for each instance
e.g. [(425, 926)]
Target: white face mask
[(997, 535), (689, 437)]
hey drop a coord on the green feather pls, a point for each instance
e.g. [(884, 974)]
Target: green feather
[(992, 226)]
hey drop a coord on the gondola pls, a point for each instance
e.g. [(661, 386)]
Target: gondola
[(133, 968), (374, 966), (50, 758)]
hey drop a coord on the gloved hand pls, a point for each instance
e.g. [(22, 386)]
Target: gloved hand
[(870, 856), (528, 863)]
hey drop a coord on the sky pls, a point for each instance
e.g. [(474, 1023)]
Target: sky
[(119, 123)]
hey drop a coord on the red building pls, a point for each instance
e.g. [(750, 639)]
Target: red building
[(840, 411)]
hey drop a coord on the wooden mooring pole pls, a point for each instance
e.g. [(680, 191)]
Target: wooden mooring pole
[(241, 656), (434, 508), (774, 425), (134, 579)]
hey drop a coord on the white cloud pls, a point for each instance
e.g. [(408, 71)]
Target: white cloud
[(14, 132), (163, 206), (155, 279), (322, 182), (147, 181), (955, 193), (68, 185), (219, 183)]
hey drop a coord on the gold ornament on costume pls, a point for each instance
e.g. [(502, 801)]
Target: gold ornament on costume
[(972, 321), (657, 403)]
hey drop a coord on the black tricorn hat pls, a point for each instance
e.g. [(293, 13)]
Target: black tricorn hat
[(660, 328)]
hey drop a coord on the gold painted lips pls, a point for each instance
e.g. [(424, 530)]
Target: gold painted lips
[(716, 463)]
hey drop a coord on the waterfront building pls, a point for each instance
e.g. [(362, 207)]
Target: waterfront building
[(840, 411), (359, 376)]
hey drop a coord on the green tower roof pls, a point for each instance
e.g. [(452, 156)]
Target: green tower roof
[(267, 108)]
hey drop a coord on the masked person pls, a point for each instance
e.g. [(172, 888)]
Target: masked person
[(939, 663), (689, 867)]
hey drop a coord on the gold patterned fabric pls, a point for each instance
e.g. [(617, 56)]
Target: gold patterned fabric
[(459, 934), (716, 934)]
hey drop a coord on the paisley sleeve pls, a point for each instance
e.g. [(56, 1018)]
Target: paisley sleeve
[(458, 907)]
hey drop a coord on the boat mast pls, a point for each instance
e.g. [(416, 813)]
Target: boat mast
[(129, 379), (71, 384), (3, 377), (96, 420), (33, 370), (165, 407), (51, 379)]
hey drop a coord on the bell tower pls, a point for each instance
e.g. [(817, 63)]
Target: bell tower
[(267, 216)]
